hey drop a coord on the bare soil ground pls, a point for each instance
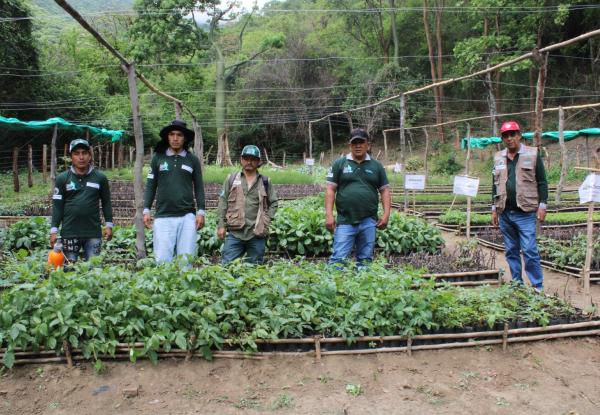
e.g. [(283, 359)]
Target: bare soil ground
[(554, 377)]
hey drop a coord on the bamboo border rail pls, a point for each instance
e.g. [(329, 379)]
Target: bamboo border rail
[(455, 340)]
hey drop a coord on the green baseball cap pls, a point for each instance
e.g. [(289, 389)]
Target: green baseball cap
[(79, 142), (251, 150)]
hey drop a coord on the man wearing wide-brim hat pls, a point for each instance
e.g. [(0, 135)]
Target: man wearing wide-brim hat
[(75, 202), (175, 180)]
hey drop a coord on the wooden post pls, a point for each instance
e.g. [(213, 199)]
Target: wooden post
[(107, 159), (588, 254), (29, 166), (53, 155), (132, 153), (542, 62), (467, 171), (15, 169), (426, 150), (403, 145), (587, 150), (138, 186), (112, 153), (99, 156), (283, 162), (330, 137), (385, 149), (66, 150), (310, 140), (44, 163), (120, 155), (563, 155)]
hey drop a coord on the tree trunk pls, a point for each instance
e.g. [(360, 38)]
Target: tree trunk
[(491, 99), (426, 150), (198, 142), (44, 163), (395, 33), (539, 102), (330, 137), (223, 157), (138, 186), (440, 71), (438, 110)]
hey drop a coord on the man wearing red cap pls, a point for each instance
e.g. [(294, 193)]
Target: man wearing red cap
[(519, 195)]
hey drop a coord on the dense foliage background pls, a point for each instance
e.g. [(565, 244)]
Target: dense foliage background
[(261, 75)]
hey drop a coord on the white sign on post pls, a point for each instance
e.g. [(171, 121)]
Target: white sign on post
[(309, 162), (466, 186), (397, 168), (589, 191), (414, 182)]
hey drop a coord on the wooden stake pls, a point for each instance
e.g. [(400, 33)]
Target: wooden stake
[(29, 165), (588, 254), (44, 163), (505, 337), (15, 169), (190, 351), (409, 345), (68, 355), (563, 155), (403, 145), (283, 162), (318, 348)]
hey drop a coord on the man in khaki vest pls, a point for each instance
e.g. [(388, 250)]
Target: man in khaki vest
[(519, 195), (247, 204)]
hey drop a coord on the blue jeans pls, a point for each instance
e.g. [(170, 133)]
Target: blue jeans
[(234, 248), (72, 248), (519, 233), (361, 235), (174, 236)]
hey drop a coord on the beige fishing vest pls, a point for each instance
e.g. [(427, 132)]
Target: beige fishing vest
[(236, 202), (527, 190)]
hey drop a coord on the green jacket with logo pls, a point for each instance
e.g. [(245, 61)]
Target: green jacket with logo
[(75, 204), (357, 188)]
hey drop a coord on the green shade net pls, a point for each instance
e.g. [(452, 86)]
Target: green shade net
[(483, 142), (99, 133)]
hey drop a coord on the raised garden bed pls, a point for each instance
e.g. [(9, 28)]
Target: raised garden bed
[(94, 313)]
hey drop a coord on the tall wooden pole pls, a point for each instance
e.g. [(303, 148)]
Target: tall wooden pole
[(140, 240), (53, 155), (563, 155), (542, 61), (403, 145), (467, 171), (29, 166), (385, 148), (15, 169), (588, 254), (310, 138), (330, 137), (45, 163)]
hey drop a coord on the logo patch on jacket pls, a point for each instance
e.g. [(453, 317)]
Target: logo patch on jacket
[(163, 166), (71, 186), (92, 184), (369, 171), (347, 169)]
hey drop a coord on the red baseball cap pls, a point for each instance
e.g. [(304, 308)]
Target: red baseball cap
[(509, 126)]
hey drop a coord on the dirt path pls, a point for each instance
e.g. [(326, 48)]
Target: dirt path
[(555, 377)]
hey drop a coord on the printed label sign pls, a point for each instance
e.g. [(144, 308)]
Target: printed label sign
[(589, 191), (309, 162), (414, 182), (397, 168), (465, 186)]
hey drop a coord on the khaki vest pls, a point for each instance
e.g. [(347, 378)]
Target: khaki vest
[(236, 204), (527, 191)]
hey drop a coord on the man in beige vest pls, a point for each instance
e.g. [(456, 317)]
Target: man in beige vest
[(519, 194), (247, 204)]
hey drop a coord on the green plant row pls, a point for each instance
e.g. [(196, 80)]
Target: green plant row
[(570, 253), (297, 229), (455, 217), (96, 308)]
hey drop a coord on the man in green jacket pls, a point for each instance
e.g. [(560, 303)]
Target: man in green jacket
[(75, 200), (175, 180), (247, 204)]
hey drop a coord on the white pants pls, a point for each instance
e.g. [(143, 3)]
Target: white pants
[(174, 236)]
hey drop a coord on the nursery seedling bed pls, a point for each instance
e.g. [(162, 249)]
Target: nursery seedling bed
[(317, 346), (567, 270)]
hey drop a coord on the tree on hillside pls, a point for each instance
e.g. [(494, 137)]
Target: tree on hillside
[(191, 28), (18, 55)]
